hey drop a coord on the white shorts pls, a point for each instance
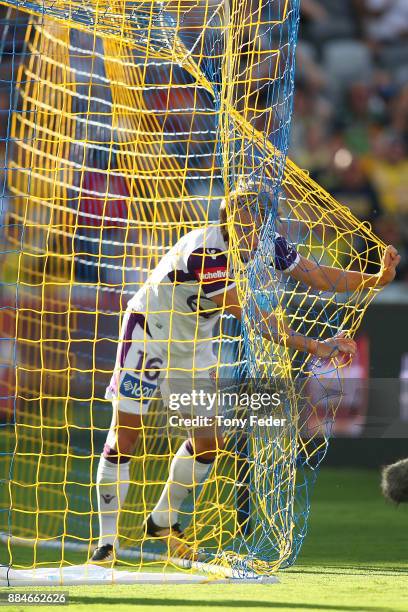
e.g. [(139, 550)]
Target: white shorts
[(147, 369)]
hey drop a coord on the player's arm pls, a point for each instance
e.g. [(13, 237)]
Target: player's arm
[(325, 278), (268, 325)]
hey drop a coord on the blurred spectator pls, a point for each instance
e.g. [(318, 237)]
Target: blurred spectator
[(353, 187), (389, 172), (309, 135), (313, 153), (386, 29), (387, 20), (399, 118), (315, 10), (362, 111), (324, 20), (308, 66)]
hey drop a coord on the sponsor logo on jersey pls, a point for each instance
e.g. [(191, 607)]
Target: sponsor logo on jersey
[(210, 274), (136, 389)]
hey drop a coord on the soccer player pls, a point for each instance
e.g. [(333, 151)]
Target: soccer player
[(167, 332)]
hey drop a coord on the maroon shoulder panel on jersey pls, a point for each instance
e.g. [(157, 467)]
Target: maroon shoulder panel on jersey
[(210, 268)]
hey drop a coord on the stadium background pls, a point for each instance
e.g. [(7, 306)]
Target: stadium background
[(350, 130)]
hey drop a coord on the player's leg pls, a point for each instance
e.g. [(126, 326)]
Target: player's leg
[(112, 478), (189, 469), (134, 384), (193, 460)]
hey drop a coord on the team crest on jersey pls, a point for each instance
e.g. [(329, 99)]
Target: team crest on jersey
[(213, 252), (136, 389)]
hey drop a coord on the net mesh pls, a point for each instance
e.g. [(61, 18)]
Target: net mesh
[(127, 123)]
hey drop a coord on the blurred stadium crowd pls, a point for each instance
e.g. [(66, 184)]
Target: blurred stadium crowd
[(349, 130), (350, 126)]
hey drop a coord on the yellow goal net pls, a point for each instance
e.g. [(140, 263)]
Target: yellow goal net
[(129, 123)]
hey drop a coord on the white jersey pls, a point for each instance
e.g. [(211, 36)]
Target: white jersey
[(176, 298), (168, 328)]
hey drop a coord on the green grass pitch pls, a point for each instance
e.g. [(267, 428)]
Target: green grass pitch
[(355, 558)]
